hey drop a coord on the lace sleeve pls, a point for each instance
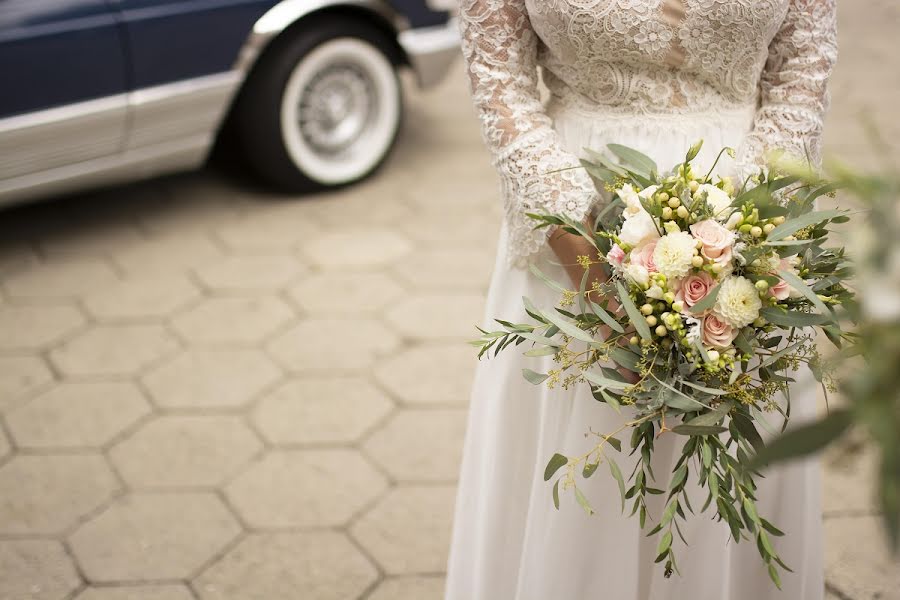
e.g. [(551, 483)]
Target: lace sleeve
[(794, 86), (500, 48)]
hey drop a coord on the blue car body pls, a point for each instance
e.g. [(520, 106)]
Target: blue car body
[(99, 80)]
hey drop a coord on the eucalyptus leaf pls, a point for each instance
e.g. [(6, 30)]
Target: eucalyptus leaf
[(707, 301), (605, 317), (579, 496), (792, 318), (698, 429), (534, 377), (617, 474), (605, 382), (637, 319), (714, 416), (798, 284), (796, 224), (556, 494), (804, 439), (557, 461), (568, 328), (550, 282), (640, 162)]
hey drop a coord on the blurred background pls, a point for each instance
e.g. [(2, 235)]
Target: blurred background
[(245, 378)]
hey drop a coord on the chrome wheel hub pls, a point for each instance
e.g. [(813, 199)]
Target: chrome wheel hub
[(336, 108)]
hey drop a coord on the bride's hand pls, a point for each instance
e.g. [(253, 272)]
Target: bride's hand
[(568, 248)]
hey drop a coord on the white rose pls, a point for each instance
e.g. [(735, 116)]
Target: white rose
[(718, 201), (647, 193), (631, 199), (738, 301), (674, 253), (638, 275), (638, 228), (733, 220)]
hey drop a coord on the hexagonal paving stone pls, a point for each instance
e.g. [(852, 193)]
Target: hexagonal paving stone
[(154, 297), (155, 536), (430, 374), (169, 253), (321, 565), (20, 376), (311, 410), (33, 327), (137, 592), (36, 570), (438, 316), (860, 570), (185, 451), (202, 378), (351, 293), (267, 231), (333, 344), (103, 238), (113, 350), (447, 268), (77, 414), (336, 209), (305, 488), (48, 494), (478, 230), (409, 588), (222, 320), (356, 249), (408, 531), (60, 279), (420, 445), (252, 272)]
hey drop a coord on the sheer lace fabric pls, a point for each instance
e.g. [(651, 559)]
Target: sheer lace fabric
[(638, 57)]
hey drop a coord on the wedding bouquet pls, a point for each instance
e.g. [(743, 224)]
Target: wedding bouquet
[(715, 294)]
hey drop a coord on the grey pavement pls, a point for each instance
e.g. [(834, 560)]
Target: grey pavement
[(209, 391)]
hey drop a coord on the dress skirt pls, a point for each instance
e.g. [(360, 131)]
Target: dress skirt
[(510, 543)]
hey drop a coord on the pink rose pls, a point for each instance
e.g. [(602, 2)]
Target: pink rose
[(615, 256), (781, 290), (643, 256), (717, 333), (715, 238), (694, 288)]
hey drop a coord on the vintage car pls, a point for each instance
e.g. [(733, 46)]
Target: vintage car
[(100, 91)]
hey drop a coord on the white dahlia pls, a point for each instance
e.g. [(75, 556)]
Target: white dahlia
[(738, 301), (674, 253)]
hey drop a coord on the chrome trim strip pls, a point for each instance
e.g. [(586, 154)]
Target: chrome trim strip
[(287, 12), (431, 51), (172, 111), (175, 155), (77, 110)]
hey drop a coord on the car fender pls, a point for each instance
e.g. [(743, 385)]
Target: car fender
[(286, 13)]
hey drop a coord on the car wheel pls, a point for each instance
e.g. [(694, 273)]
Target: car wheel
[(323, 109)]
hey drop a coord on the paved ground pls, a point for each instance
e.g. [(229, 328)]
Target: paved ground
[(211, 392)]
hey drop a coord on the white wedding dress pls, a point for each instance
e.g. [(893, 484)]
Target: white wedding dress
[(656, 75)]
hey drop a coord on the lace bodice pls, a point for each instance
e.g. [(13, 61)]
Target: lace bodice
[(638, 57)]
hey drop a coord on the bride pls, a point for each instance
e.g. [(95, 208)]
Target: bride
[(656, 75)]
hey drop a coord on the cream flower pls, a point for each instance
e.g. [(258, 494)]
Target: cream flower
[(638, 228), (631, 199), (719, 202), (738, 302), (638, 275), (673, 254)]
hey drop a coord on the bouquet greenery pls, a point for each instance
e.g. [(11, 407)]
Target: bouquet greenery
[(716, 293)]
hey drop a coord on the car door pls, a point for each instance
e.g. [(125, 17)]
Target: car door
[(183, 57), (62, 84)]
